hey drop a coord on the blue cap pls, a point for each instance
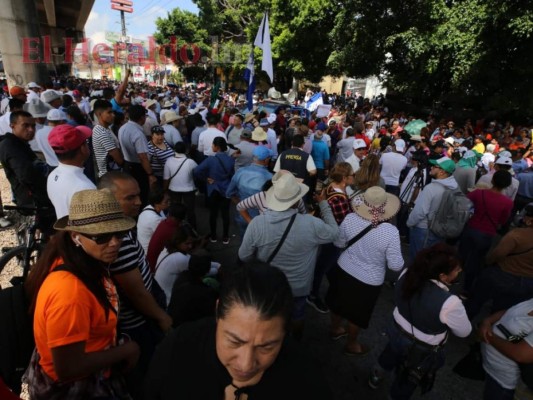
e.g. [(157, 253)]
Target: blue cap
[(264, 122), (262, 153), (322, 127)]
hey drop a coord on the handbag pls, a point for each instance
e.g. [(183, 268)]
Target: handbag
[(94, 386)]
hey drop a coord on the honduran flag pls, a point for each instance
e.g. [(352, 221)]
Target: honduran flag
[(314, 102)]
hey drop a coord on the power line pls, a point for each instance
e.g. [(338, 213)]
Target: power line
[(151, 12)]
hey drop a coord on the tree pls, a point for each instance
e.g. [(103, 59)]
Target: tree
[(470, 52)]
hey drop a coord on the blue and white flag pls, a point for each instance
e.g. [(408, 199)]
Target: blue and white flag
[(314, 102), (262, 40), (249, 77)]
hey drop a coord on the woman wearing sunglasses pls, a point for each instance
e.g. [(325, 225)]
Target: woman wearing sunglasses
[(75, 305)]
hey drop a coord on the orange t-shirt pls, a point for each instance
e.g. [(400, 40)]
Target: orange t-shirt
[(67, 312)]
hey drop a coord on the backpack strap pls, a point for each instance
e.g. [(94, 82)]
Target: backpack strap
[(280, 243)]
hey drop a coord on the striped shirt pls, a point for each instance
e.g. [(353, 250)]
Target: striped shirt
[(258, 201), (104, 141), (367, 259), (130, 256), (159, 157)]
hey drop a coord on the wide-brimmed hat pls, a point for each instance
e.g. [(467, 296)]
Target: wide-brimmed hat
[(149, 103), (248, 117), (258, 134), (285, 191), (376, 205), (168, 104), (94, 212), (37, 108), (171, 117)]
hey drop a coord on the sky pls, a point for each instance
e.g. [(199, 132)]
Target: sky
[(139, 24)]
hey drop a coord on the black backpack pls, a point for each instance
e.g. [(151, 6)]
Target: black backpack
[(16, 335)]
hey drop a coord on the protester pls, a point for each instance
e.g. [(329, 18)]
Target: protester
[(356, 281), (294, 257), (152, 215), (75, 304), (159, 151), (243, 353), (425, 311), (217, 170)]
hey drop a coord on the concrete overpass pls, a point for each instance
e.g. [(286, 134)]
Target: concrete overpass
[(37, 19)]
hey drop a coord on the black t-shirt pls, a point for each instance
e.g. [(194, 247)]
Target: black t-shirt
[(185, 366)]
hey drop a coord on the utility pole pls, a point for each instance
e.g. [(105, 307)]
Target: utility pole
[(124, 6)]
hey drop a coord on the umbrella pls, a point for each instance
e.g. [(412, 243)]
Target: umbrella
[(413, 127)]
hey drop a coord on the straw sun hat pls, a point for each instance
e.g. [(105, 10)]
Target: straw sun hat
[(285, 191), (94, 212), (377, 206)]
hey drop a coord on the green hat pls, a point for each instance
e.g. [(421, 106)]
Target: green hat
[(444, 163)]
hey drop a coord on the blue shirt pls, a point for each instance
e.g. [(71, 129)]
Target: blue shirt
[(248, 181), (320, 153), (220, 168), (115, 106), (525, 188)]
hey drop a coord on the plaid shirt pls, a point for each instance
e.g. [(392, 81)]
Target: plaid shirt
[(339, 203)]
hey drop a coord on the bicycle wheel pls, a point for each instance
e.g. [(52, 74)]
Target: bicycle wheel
[(12, 263)]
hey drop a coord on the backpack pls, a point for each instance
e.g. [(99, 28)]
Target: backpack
[(453, 213)]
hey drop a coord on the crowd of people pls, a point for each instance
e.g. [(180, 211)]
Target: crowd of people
[(128, 303)]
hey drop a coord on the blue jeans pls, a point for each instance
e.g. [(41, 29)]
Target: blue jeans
[(503, 288), (394, 356), (494, 391), (420, 238)]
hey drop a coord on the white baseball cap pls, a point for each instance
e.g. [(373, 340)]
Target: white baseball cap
[(359, 144), (56, 115), (504, 161), (400, 144)]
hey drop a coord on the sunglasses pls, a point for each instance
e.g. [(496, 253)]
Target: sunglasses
[(106, 237)]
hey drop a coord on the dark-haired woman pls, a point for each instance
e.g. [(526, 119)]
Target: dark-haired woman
[(217, 170), (491, 211), (75, 305), (174, 259), (241, 354), (425, 313), (159, 151)]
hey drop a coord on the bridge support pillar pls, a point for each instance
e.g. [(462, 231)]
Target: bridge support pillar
[(19, 20)]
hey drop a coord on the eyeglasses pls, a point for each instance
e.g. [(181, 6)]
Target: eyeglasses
[(106, 237)]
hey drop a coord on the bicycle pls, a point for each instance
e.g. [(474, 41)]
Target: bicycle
[(30, 245)]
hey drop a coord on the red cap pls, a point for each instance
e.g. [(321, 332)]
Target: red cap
[(76, 93), (17, 91), (64, 138)]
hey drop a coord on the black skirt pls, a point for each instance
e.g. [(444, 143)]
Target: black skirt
[(350, 298)]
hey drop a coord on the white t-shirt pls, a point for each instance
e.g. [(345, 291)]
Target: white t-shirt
[(168, 267), (4, 123), (62, 183), (205, 141), (517, 321), (41, 138), (392, 165), (183, 180), (353, 161), (149, 218)]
